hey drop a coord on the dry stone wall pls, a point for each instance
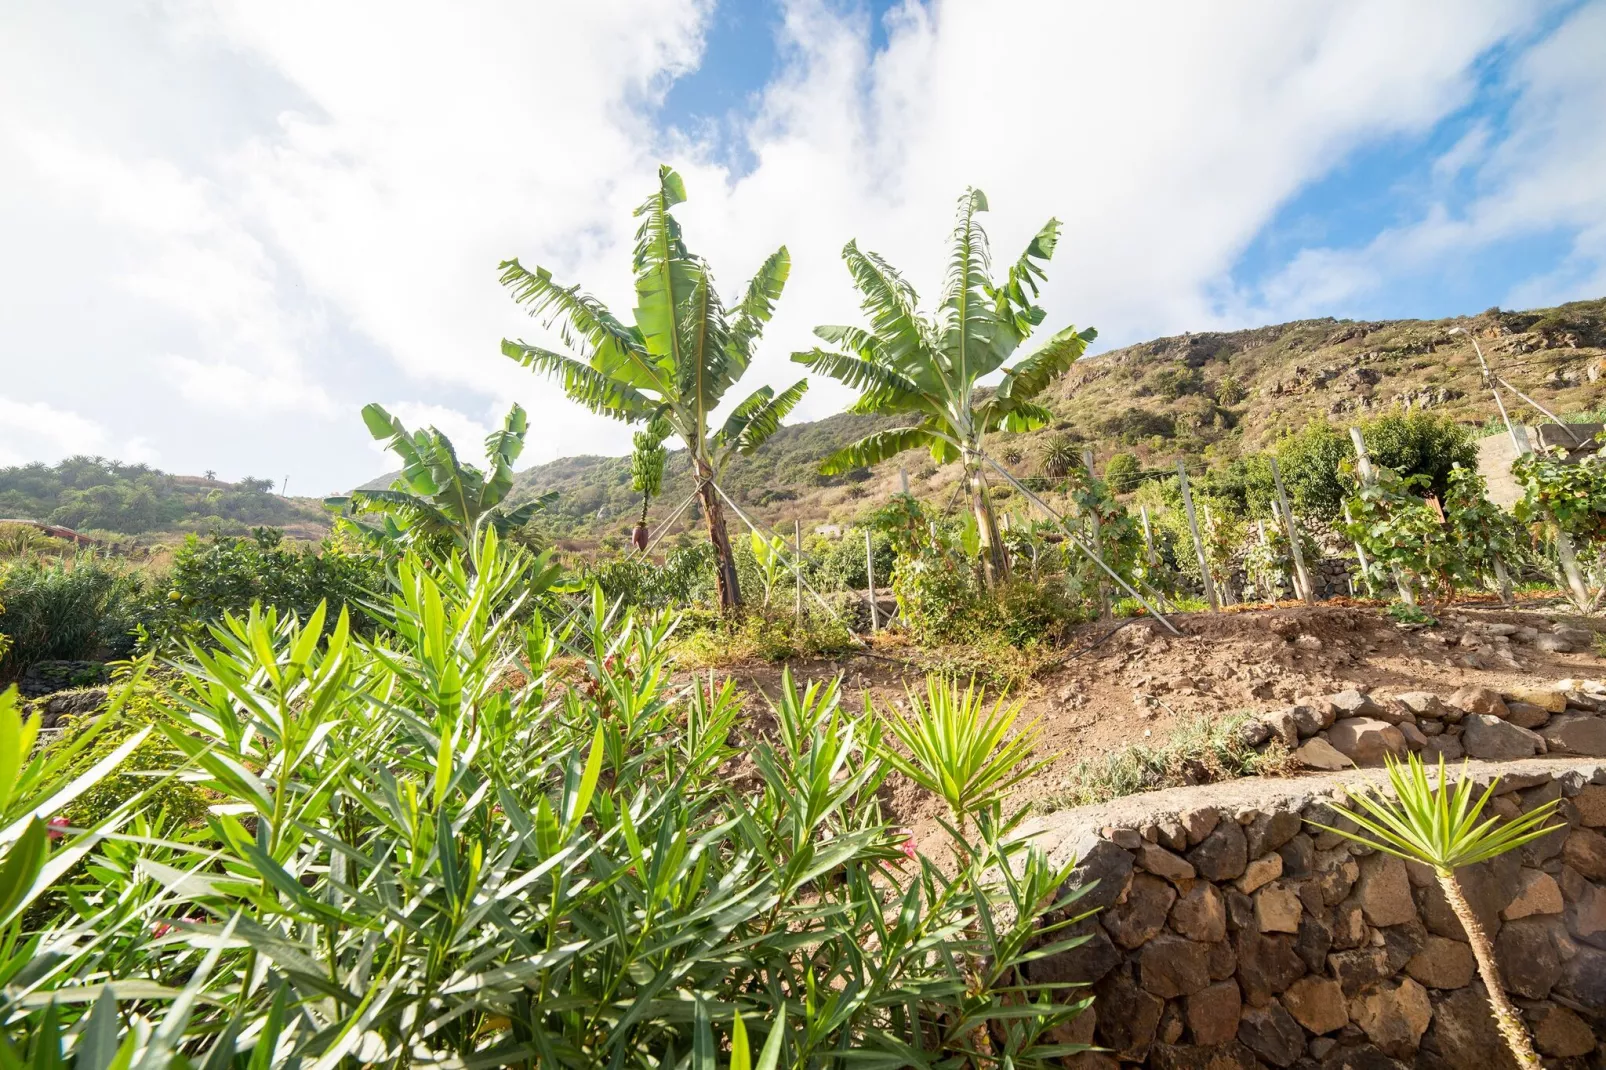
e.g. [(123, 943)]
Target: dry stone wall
[(1233, 932), (1353, 728)]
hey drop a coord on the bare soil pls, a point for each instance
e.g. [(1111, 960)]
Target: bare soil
[(1139, 682)]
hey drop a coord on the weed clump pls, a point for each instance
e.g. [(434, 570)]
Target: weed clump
[(1201, 750)]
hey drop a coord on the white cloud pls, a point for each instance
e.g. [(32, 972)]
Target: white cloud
[(321, 226), (35, 431), (197, 257), (1542, 177), (465, 432)]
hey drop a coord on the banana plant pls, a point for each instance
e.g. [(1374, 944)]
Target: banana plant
[(438, 503), (769, 554), (675, 362), (906, 363)]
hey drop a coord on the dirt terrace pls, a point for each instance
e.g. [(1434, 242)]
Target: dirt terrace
[(1139, 683)]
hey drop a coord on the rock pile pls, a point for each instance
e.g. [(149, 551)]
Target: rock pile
[(1352, 728), (1233, 932)]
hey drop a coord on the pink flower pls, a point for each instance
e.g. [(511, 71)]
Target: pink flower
[(908, 844), (160, 929), (56, 827)]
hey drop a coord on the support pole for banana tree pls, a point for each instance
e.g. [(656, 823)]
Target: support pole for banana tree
[(1076, 540), (903, 478), (869, 579), (1306, 590), (1148, 537), (1363, 465), (797, 564), (1198, 543), (1098, 539)]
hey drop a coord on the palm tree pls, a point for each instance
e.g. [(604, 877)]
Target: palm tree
[(906, 363), (675, 362), (1444, 829), (438, 502), (1058, 456)]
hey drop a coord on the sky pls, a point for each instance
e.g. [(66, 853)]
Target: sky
[(227, 226)]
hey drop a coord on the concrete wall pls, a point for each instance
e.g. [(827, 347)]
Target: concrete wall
[(1233, 932)]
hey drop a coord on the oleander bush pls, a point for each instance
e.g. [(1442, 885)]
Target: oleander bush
[(478, 838)]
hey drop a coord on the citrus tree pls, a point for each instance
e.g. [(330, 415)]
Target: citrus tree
[(438, 503), (930, 367), (675, 362)]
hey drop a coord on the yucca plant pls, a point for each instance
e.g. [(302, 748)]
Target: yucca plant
[(1058, 456), (1443, 827), (675, 363), (930, 367), (960, 748)]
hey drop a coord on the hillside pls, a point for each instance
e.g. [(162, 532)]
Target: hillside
[(1207, 396), (94, 495)]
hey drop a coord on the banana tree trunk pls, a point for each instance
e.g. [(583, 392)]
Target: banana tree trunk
[(994, 562), (1506, 1016), (730, 591)]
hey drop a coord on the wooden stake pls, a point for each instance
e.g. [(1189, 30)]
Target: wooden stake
[(869, 578), (1301, 576), (1228, 595), (1148, 537), (1198, 544), (1503, 579), (797, 564), (1098, 541)]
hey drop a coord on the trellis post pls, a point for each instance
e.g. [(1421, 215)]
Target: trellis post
[(869, 578), (1198, 544), (1303, 577), (797, 564), (1098, 541)]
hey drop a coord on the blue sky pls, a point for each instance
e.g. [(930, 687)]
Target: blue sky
[(225, 226), (1393, 181)]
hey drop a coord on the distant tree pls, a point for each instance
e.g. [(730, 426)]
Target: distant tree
[(675, 362), (1229, 391), (908, 364), (1411, 443), (437, 501), (1122, 472)]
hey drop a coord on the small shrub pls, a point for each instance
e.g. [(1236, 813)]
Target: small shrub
[(1037, 612), (77, 609), (710, 640), (226, 574), (1200, 750), (1123, 471), (940, 599)]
